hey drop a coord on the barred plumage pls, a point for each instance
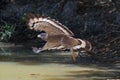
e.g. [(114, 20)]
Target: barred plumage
[(57, 35)]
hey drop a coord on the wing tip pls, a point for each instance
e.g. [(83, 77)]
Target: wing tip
[(32, 18)]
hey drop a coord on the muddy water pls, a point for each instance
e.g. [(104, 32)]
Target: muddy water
[(52, 71), (22, 64)]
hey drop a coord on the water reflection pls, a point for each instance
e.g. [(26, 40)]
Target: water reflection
[(31, 70), (24, 65)]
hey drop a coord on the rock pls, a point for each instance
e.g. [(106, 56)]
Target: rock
[(69, 11), (118, 18)]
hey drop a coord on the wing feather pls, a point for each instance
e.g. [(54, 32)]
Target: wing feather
[(32, 20)]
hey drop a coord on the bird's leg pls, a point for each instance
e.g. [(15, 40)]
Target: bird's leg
[(86, 50), (45, 47), (51, 46), (74, 55), (36, 50)]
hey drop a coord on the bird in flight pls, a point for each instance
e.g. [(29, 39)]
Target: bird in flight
[(57, 36)]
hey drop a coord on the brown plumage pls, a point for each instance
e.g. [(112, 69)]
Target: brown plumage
[(57, 35), (48, 25)]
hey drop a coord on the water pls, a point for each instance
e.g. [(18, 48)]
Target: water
[(53, 71), (15, 71), (22, 64)]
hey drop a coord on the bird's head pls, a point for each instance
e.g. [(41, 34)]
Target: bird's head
[(43, 36)]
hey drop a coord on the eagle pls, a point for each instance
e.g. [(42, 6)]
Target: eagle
[(57, 36)]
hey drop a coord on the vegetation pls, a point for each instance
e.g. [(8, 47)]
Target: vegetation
[(97, 21), (6, 32)]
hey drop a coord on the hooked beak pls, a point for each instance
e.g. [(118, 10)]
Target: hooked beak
[(39, 36)]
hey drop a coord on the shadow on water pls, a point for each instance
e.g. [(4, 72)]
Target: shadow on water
[(90, 74), (49, 57), (100, 74), (84, 69)]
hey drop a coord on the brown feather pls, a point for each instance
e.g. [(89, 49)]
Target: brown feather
[(58, 35), (60, 29)]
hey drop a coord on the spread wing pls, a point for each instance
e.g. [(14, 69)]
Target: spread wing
[(50, 26)]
